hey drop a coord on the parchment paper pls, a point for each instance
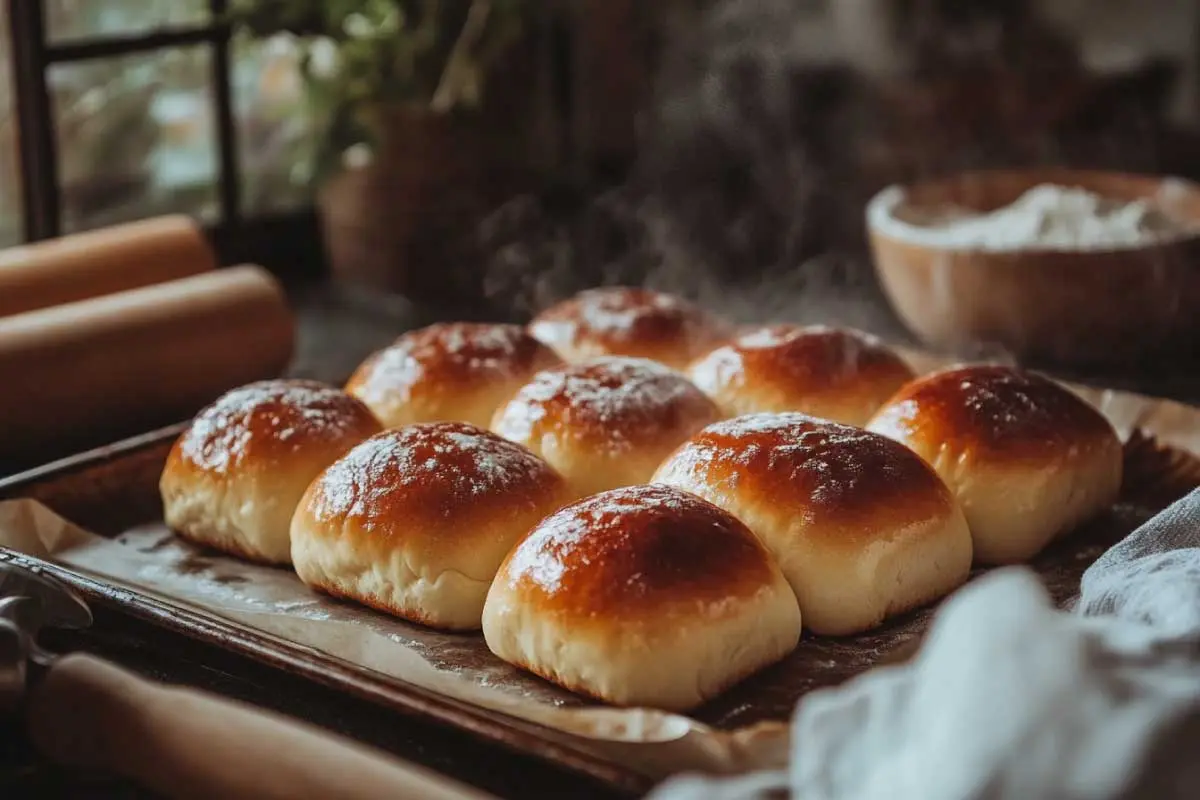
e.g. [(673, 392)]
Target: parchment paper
[(272, 601)]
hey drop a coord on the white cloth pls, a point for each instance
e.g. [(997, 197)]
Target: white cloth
[(1012, 699)]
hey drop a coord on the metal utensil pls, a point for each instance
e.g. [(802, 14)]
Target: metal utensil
[(178, 742)]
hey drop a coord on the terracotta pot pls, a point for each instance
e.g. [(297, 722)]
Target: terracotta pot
[(402, 223)]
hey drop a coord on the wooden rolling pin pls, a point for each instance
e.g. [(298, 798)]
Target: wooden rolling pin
[(114, 365), (184, 743), (101, 262)]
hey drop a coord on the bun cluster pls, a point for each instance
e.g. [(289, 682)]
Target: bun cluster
[(633, 502)]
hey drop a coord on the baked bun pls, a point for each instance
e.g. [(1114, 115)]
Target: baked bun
[(607, 422), (862, 527), (449, 371), (1028, 460), (641, 596), (629, 322), (415, 521), (835, 374), (234, 477)]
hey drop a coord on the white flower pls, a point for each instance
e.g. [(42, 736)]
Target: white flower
[(357, 156), (323, 57), (281, 45), (358, 25)]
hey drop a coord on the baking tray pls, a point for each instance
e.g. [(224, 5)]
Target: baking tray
[(110, 490)]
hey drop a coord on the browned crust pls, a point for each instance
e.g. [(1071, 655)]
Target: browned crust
[(442, 478), (816, 360), (452, 357), (845, 482), (612, 399), (262, 425), (640, 553), (661, 326), (995, 412)]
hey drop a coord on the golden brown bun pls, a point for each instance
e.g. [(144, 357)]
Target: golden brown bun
[(449, 371), (835, 374), (641, 596), (1028, 460), (233, 479), (862, 527), (607, 422), (622, 321), (415, 521)]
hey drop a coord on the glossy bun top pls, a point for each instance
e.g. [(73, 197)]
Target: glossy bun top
[(613, 403), (997, 413), (630, 322), (419, 476), (449, 371), (837, 374), (262, 425), (845, 482), (638, 552)]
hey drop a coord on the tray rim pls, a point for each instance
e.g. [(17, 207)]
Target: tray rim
[(391, 694)]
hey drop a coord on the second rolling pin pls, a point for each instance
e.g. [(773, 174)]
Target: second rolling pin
[(82, 373), (100, 262)]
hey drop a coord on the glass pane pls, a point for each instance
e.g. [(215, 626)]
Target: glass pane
[(10, 170), (277, 132), (136, 136), (74, 19)]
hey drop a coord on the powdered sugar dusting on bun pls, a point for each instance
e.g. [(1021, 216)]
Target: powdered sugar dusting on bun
[(449, 371), (837, 374), (628, 321), (270, 419), (611, 402), (416, 521), (603, 421), (436, 469), (233, 479)]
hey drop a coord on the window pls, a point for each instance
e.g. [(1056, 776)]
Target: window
[(116, 110)]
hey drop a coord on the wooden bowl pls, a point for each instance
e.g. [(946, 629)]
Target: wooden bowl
[(1065, 306)]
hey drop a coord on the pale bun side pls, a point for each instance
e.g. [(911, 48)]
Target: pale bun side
[(233, 478), (862, 528), (415, 521), (641, 596), (1028, 460), (449, 371), (607, 422), (836, 374), (624, 321)]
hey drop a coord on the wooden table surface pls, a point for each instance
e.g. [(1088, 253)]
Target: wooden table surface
[(337, 329)]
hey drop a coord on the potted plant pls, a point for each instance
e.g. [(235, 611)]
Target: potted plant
[(419, 136)]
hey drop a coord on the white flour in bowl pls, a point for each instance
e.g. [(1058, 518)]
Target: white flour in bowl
[(1047, 217)]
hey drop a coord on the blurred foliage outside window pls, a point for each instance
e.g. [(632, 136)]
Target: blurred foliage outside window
[(136, 133)]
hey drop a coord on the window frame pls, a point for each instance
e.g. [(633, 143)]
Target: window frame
[(288, 243)]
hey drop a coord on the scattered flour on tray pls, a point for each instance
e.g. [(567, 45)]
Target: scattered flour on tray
[(1047, 217)]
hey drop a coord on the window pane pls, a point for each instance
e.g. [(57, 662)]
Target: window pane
[(135, 137), (10, 171), (277, 133), (74, 19)]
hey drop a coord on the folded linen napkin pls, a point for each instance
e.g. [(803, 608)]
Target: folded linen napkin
[(1010, 698)]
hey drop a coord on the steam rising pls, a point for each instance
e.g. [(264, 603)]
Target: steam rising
[(726, 204), (765, 140)]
